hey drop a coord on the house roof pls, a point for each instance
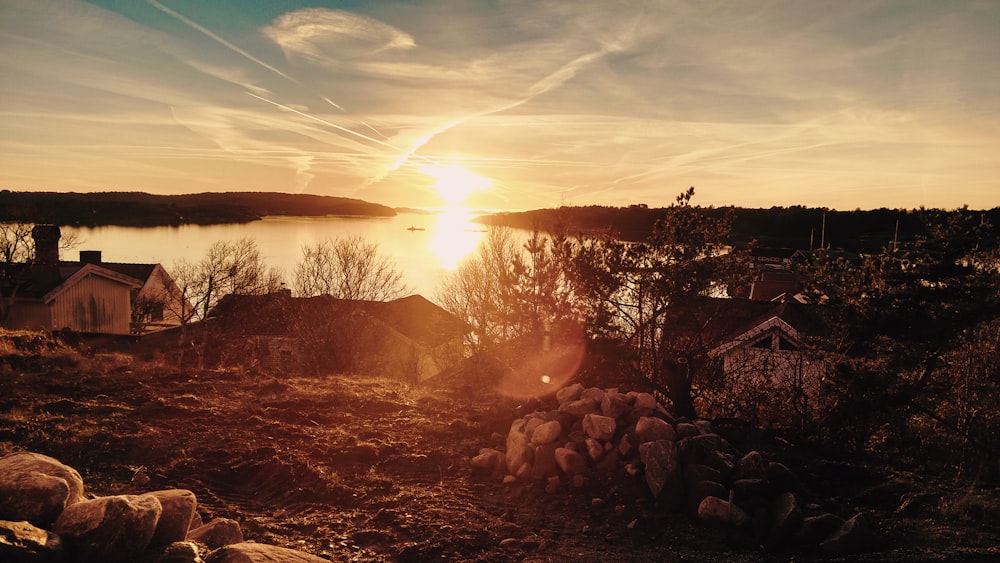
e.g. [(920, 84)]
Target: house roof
[(720, 320), (773, 283), (414, 317), (28, 286), (140, 272), (89, 270)]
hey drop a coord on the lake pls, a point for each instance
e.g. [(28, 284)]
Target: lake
[(424, 247)]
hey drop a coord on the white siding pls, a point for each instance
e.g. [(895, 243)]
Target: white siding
[(93, 304)]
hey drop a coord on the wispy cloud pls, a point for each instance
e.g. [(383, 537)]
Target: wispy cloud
[(770, 102)]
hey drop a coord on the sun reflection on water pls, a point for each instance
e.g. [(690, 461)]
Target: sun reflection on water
[(455, 236)]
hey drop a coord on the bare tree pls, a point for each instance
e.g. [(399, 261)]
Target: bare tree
[(348, 268), (17, 246), (481, 291), (227, 268)]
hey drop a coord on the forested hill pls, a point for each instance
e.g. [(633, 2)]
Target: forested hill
[(143, 209), (791, 227)]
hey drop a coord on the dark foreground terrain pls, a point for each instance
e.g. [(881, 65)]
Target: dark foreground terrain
[(360, 469)]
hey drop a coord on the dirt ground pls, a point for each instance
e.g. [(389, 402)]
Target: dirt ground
[(359, 469)]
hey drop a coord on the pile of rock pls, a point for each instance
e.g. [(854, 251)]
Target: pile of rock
[(685, 464), (45, 517)]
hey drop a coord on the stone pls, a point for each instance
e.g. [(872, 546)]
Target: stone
[(704, 449), (552, 484), (852, 537), (530, 424), (571, 462), (663, 473), (650, 429), (594, 394), (815, 529), (178, 510), (787, 516), (520, 454), (115, 528), (686, 430), (490, 460), (544, 464), (704, 426), (196, 521), (645, 404), (695, 472), (615, 405), (698, 449), (180, 552), (626, 445), (23, 542), (595, 449), (37, 488), (580, 407), (714, 510), (752, 466), (781, 477), (217, 533), (547, 432), (599, 427), (701, 489), (569, 393), (751, 493), (249, 552)]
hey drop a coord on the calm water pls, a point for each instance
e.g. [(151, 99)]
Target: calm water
[(423, 256)]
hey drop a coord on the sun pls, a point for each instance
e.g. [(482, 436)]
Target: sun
[(454, 183)]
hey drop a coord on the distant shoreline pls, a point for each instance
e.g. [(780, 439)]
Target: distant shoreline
[(139, 209)]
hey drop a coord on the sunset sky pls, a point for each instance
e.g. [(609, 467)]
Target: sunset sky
[(843, 104)]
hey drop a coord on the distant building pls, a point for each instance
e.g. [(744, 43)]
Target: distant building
[(410, 339), (88, 296)]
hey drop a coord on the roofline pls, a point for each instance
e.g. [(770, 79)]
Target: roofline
[(86, 270), (755, 331)]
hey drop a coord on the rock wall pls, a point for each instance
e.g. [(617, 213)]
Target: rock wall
[(685, 465), (46, 518)]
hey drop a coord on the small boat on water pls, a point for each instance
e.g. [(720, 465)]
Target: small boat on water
[(412, 228)]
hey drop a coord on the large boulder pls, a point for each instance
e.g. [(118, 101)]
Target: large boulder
[(217, 533), (715, 510), (520, 453), (36, 488), (111, 529), (180, 552), (547, 432), (249, 552), (651, 429), (664, 475), (857, 535), (22, 542), (178, 510), (599, 427), (490, 460), (571, 462)]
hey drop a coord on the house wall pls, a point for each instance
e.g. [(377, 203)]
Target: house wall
[(783, 369), (29, 315), (93, 304), (159, 286)]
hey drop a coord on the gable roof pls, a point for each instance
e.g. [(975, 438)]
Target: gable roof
[(85, 271), (414, 316)]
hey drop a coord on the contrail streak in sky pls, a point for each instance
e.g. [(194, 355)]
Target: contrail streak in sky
[(227, 44), (325, 122)]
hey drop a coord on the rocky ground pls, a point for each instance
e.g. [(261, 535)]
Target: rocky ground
[(361, 469)]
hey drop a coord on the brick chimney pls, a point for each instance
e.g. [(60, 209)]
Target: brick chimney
[(90, 257), (46, 267)]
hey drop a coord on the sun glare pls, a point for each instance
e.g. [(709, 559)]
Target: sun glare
[(454, 183), (455, 236)]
